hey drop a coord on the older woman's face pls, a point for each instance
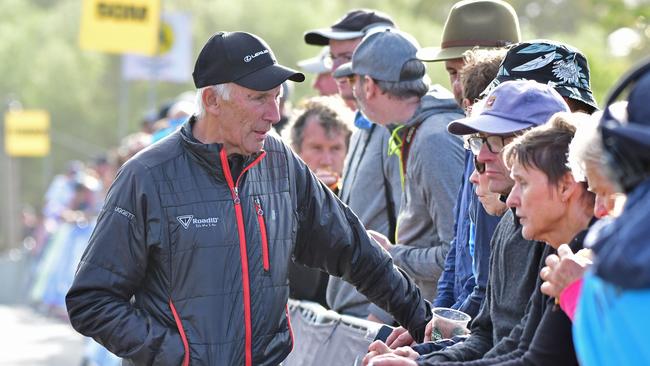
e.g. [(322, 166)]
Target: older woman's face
[(603, 188), (538, 203)]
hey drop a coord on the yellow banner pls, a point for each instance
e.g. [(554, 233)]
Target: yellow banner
[(120, 26), (27, 133)]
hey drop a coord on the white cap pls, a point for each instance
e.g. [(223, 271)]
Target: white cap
[(317, 64)]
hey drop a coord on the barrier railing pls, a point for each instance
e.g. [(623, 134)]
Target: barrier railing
[(325, 337)]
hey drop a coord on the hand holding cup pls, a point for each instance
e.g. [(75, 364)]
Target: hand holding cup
[(448, 323)]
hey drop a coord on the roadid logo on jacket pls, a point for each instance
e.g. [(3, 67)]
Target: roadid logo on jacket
[(187, 220)]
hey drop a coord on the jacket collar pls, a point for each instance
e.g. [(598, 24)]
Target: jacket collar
[(437, 101), (207, 155)]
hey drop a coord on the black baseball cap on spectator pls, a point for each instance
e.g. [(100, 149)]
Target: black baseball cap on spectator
[(241, 58), (351, 26)]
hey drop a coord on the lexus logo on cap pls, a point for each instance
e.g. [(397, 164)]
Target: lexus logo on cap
[(249, 58)]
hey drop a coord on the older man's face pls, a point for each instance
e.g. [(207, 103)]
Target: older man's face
[(490, 154), (246, 118), (323, 150)]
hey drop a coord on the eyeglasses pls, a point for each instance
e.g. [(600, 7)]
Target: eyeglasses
[(495, 143), (480, 167)]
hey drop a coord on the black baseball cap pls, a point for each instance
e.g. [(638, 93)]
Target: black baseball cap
[(351, 26), (241, 58)]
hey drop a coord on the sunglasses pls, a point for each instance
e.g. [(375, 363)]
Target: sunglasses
[(351, 79), (480, 167)]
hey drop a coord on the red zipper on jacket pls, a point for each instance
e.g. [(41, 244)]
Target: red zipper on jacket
[(286, 310), (181, 331), (265, 244), (248, 349)]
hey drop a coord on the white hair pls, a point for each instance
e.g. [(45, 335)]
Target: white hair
[(586, 147), (222, 90)]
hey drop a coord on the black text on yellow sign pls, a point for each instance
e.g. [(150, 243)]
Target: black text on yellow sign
[(27, 133), (120, 26), (120, 12)]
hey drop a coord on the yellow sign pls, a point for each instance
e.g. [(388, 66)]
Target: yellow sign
[(27, 133), (120, 26), (166, 38)]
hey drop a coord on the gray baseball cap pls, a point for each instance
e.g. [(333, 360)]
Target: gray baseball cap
[(382, 55), (343, 71)]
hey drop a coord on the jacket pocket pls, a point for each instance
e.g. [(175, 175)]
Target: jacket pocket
[(265, 243)]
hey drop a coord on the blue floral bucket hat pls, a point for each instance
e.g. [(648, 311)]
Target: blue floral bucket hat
[(560, 66)]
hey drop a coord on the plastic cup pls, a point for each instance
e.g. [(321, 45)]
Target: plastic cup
[(449, 323)]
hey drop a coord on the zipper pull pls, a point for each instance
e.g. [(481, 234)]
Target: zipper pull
[(236, 193), (258, 206)]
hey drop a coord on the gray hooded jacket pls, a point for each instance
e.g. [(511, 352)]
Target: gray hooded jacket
[(434, 162)]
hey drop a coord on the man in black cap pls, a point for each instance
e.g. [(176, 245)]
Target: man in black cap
[(188, 261), (343, 38), (371, 181)]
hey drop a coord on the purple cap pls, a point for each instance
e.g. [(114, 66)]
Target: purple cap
[(512, 106)]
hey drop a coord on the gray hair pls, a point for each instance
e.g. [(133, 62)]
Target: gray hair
[(222, 90), (416, 82), (587, 146)]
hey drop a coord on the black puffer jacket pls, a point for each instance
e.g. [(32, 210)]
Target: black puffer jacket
[(187, 267)]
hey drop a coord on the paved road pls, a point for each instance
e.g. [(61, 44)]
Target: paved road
[(31, 339)]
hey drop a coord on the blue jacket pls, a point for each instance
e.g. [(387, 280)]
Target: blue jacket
[(612, 320), (611, 324), (469, 255)]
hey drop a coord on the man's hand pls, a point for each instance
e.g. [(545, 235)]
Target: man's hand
[(428, 330), (392, 360), (561, 270), (378, 351), (381, 239), (373, 318), (399, 337)]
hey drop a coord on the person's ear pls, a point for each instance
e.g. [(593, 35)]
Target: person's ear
[(568, 187), (210, 100), (370, 87), (467, 104)]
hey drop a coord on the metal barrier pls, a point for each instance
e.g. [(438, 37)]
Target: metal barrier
[(325, 337)]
